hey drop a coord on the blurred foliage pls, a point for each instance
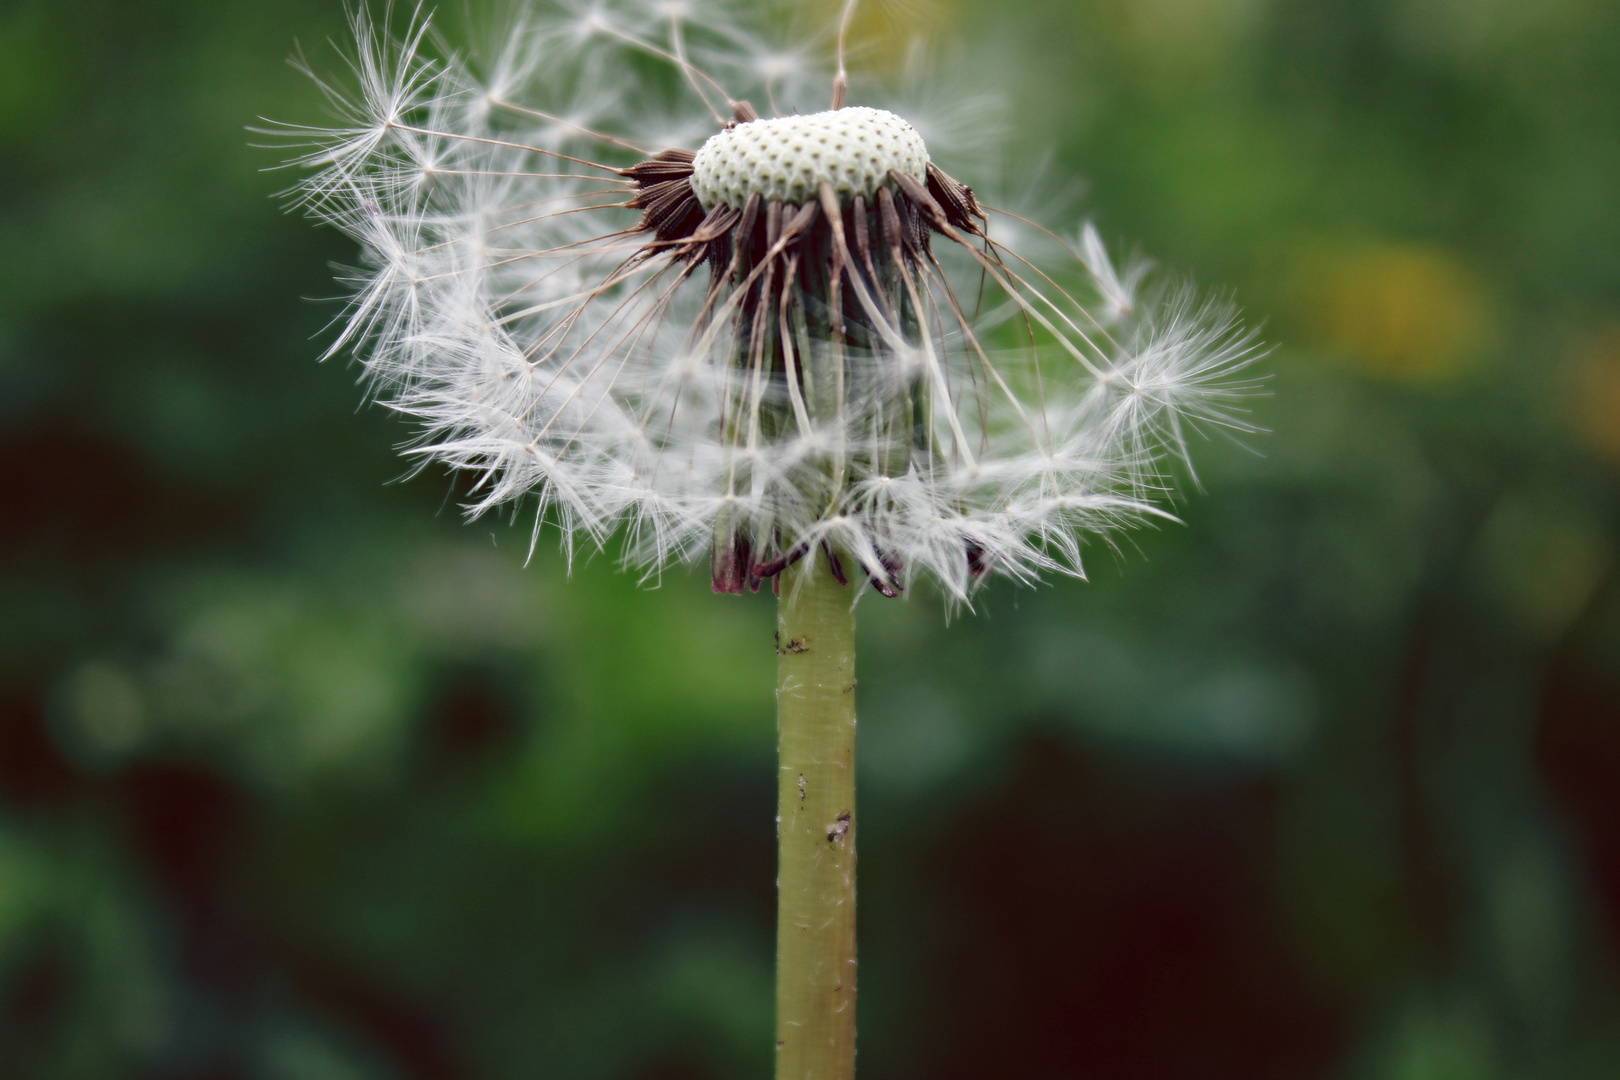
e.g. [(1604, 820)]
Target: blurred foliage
[(303, 778)]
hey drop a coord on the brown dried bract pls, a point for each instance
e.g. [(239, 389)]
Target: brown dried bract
[(779, 254)]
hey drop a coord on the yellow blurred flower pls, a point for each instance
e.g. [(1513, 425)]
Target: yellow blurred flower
[(1594, 398), (1410, 312)]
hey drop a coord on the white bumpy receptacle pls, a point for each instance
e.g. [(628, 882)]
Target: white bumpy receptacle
[(787, 159)]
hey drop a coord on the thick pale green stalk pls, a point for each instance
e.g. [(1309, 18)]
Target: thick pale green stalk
[(815, 920)]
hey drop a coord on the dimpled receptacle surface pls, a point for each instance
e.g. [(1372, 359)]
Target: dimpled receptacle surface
[(786, 159)]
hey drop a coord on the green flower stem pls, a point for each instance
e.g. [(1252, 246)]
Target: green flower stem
[(815, 921)]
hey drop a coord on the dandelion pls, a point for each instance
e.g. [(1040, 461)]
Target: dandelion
[(791, 343)]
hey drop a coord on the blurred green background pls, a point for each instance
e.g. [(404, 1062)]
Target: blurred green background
[(303, 778)]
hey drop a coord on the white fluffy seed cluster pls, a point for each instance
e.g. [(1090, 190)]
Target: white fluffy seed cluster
[(787, 159), (504, 306)]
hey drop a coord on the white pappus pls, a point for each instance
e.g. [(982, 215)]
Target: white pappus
[(593, 274)]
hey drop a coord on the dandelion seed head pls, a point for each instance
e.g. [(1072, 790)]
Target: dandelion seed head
[(754, 338)]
